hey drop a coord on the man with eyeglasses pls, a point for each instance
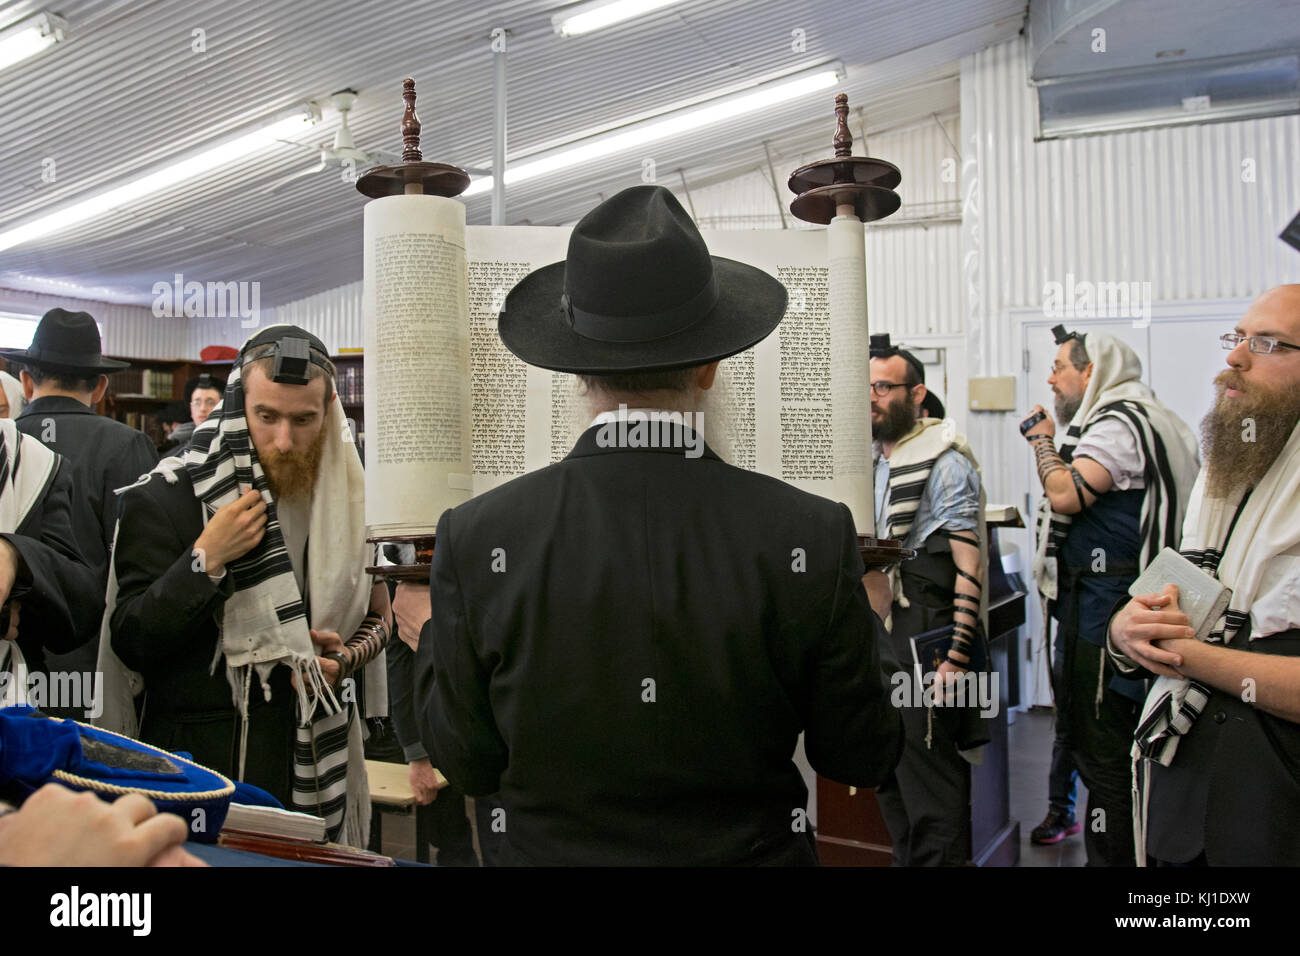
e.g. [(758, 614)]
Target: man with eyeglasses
[(1114, 494), (1220, 735), (202, 395), (929, 496)]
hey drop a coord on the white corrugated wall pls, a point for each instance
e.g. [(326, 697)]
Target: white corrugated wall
[(1193, 210), (131, 331)]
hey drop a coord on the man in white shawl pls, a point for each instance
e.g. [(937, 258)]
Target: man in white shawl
[(1114, 494), (241, 594), (1218, 749)]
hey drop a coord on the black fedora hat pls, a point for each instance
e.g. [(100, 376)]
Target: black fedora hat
[(65, 340), (638, 292)]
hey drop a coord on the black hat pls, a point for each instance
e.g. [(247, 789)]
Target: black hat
[(638, 292), (65, 340)]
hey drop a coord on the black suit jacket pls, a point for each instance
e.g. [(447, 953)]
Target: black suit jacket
[(59, 598), (164, 626), (1233, 788), (101, 455), (626, 645)]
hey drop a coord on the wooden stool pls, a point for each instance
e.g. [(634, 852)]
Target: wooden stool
[(390, 792)]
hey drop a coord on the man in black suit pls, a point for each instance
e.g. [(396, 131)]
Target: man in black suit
[(64, 377), (49, 596), (627, 644)]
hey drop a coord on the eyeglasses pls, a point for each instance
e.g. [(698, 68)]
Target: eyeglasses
[(1259, 344), (205, 403), (881, 389)]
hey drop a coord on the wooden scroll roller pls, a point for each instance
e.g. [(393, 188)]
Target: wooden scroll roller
[(857, 186), (412, 176)]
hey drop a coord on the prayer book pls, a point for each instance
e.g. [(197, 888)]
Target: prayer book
[(1201, 597)]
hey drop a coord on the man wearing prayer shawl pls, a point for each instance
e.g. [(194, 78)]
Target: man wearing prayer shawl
[(1114, 494), (49, 595), (241, 594), (1217, 752)]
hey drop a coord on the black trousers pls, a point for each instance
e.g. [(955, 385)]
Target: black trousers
[(926, 800), (1101, 741)]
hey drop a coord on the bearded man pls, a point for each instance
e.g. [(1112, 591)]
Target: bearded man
[(1218, 747), (929, 496), (251, 552), (1114, 494)]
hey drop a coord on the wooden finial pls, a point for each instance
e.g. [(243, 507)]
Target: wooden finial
[(843, 141), (410, 124), (412, 176), (845, 184)]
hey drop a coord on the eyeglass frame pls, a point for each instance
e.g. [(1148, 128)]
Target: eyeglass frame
[(888, 387), (1230, 340)]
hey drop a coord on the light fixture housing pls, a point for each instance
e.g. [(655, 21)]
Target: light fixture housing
[(30, 36), (709, 110), (195, 164), (589, 17)]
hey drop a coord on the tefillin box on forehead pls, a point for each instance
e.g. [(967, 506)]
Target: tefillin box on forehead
[(844, 192)]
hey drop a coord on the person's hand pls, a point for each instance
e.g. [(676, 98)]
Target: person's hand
[(232, 532), (879, 593), (328, 642), (1046, 427), (424, 781), (12, 633), (59, 827), (410, 611), (1149, 618)]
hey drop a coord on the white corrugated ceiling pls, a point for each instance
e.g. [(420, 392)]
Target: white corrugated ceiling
[(126, 92)]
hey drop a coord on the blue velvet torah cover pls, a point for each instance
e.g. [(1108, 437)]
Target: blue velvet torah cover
[(36, 750)]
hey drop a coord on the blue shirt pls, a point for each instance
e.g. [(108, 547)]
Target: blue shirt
[(951, 498)]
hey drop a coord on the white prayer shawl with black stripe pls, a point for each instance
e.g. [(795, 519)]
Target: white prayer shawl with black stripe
[(26, 469), (263, 624), (1166, 444), (1260, 565), (910, 464)]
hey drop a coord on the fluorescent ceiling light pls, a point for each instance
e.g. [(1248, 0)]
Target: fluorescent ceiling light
[(586, 17), (29, 37), (150, 184), (717, 112)]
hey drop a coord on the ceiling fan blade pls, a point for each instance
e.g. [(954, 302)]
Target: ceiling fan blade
[(279, 184)]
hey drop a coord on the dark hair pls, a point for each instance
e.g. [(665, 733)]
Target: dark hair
[(637, 383), (198, 382), (1078, 354), (910, 378), (64, 379)]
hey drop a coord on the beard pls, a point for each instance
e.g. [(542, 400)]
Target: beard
[(1067, 407), (896, 420), (1242, 437), (293, 474)]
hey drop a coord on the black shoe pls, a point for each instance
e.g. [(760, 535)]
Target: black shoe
[(1056, 826)]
